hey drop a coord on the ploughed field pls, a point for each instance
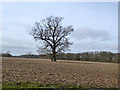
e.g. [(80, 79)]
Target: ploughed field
[(80, 73)]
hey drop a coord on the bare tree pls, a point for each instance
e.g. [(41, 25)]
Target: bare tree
[(53, 35)]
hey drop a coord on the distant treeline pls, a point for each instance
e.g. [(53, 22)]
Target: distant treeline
[(91, 56), (96, 56)]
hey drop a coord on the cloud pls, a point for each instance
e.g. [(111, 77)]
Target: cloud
[(16, 38), (18, 25), (89, 33), (87, 39), (93, 46), (19, 46)]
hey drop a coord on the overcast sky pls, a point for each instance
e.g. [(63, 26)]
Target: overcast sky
[(95, 25)]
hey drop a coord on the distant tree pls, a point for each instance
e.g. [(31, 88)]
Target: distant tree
[(6, 54), (53, 35)]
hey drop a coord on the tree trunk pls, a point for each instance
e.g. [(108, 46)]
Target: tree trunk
[(54, 55), (51, 57)]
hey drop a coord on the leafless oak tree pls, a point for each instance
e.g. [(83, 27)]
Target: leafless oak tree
[(53, 35)]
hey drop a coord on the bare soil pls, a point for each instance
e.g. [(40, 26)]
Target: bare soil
[(93, 74)]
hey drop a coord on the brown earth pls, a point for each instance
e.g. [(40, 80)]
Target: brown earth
[(93, 74)]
